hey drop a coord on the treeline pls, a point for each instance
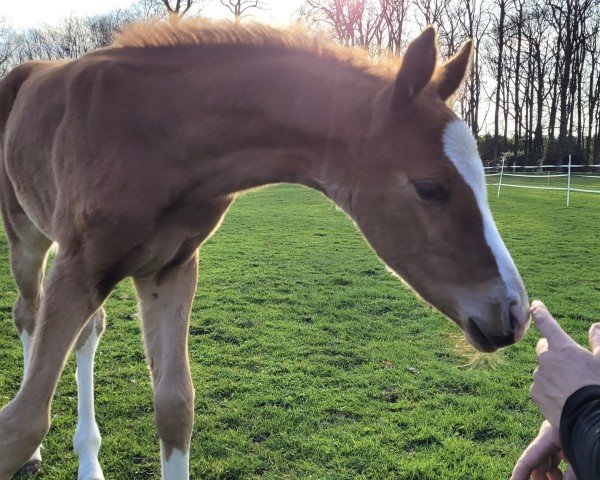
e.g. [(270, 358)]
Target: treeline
[(76, 35), (70, 38), (532, 95)]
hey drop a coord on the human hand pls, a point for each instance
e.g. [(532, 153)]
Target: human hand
[(564, 366), (541, 458)]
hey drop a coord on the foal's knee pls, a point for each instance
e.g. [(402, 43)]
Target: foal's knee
[(174, 414)]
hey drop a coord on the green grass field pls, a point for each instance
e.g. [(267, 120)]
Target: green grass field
[(311, 361)]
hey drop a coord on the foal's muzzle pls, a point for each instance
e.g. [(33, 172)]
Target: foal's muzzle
[(488, 335)]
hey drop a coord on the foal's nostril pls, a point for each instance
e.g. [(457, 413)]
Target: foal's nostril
[(514, 321), (518, 319)]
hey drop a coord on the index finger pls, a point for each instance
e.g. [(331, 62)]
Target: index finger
[(594, 335), (547, 326)]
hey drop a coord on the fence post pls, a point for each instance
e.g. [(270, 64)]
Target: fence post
[(569, 184), (501, 173)]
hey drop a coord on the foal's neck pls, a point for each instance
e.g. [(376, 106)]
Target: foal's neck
[(285, 116)]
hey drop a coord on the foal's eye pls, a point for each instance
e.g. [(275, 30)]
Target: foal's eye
[(431, 191)]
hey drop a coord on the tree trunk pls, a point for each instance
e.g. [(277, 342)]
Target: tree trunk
[(565, 80), (517, 132), (502, 5)]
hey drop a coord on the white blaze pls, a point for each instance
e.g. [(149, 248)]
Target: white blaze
[(461, 148)]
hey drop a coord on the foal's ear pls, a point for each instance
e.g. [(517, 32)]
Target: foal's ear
[(450, 76), (416, 70)]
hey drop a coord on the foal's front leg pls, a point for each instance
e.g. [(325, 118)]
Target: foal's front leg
[(166, 304)]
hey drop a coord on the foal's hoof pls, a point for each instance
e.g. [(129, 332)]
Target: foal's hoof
[(30, 468)]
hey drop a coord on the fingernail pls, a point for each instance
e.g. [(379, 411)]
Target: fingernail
[(537, 308)]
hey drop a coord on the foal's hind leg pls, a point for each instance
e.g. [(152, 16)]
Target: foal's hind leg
[(166, 303), (28, 252), (86, 441), (70, 299)]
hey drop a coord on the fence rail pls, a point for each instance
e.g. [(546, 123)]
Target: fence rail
[(538, 167), (506, 178)]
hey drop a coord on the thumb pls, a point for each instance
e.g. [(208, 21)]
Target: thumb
[(539, 450), (547, 326), (594, 335)]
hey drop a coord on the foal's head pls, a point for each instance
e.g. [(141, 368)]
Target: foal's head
[(417, 191)]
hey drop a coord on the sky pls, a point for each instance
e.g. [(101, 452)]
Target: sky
[(37, 12)]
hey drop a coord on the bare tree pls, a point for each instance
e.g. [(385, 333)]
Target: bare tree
[(433, 12), (517, 22), (391, 31), (33, 44), (568, 17), (69, 38), (102, 28), (176, 7), (535, 31), (593, 47), (499, 71), (7, 44), (239, 8), (474, 22), (146, 9), (351, 22)]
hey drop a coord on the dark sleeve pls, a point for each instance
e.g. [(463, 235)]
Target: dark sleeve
[(580, 432)]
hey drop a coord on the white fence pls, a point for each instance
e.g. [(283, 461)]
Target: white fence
[(544, 179)]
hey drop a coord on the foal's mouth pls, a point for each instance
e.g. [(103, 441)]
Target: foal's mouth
[(486, 343)]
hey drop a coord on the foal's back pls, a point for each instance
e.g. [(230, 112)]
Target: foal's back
[(112, 133), (79, 158)]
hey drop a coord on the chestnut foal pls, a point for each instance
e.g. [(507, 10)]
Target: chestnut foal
[(129, 157)]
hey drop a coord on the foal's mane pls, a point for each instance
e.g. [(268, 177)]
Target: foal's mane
[(199, 31)]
